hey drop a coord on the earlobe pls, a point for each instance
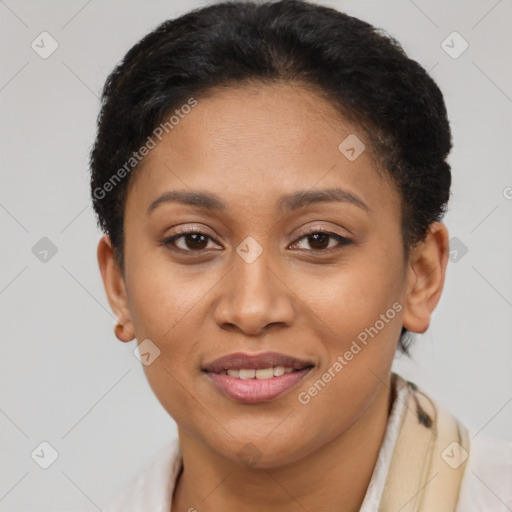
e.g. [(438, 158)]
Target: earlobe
[(121, 334), (115, 289), (426, 276)]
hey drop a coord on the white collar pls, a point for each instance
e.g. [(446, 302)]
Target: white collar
[(375, 489)]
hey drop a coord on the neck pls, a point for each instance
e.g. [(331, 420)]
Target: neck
[(334, 477)]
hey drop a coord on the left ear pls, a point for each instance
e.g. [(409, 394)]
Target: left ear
[(426, 275)]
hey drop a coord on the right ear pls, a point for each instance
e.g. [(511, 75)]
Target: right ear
[(114, 285)]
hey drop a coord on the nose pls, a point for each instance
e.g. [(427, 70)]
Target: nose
[(254, 297)]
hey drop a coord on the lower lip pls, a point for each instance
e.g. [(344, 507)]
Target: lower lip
[(253, 391)]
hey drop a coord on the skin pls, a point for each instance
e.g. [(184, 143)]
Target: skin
[(250, 145)]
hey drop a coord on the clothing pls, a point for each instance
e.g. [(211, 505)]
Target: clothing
[(486, 483)]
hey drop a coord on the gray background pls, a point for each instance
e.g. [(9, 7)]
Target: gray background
[(64, 377)]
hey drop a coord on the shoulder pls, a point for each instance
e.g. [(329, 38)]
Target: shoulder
[(487, 482), (152, 487)]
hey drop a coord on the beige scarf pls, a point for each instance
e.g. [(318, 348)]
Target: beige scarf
[(429, 459)]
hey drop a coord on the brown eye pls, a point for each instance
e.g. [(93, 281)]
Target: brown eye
[(195, 241), (321, 241), (188, 241), (318, 241)]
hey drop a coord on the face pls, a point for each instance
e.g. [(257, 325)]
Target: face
[(319, 277)]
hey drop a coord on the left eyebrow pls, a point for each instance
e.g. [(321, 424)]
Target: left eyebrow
[(287, 202), (292, 202)]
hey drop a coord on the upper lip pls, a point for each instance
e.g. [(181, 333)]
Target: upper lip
[(240, 360)]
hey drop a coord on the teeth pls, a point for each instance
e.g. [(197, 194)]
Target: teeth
[(279, 370), (266, 373), (247, 374), (261, 374)]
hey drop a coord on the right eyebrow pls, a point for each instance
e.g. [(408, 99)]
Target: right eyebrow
[(210, 202)]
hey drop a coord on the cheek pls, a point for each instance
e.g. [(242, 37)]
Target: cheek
[(164, 296), (165, 315), (357, 311), (348, 300), (360, 345), (167, 306)]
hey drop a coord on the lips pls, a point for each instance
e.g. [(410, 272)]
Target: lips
[(243, 361), (256, 378)]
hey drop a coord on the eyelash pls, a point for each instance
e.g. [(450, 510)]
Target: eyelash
[(342, 241)]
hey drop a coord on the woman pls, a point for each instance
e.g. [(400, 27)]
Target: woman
[(271, 180)]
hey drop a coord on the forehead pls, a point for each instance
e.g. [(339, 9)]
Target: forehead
[(257, 142)]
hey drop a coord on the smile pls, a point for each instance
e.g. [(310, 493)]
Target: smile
[(246, 386)]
